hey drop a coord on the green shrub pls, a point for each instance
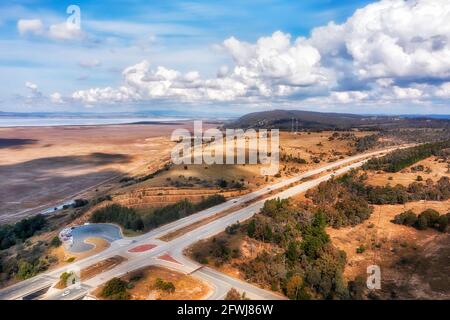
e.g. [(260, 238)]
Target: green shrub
[(115, 289), (442, 223), (28, 269), (233, 294), (431, 216), (55, 242), (63, 279), (407, 218), (22, 230), (422, 222), (233, 229), (360, 249), (166, 286), (315, 237)]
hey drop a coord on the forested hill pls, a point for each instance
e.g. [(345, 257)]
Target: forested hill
[(310, 120)]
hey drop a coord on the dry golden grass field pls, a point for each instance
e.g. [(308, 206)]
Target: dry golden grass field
[(43, 166)]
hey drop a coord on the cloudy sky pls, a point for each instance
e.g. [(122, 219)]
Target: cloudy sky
[(223, 57)]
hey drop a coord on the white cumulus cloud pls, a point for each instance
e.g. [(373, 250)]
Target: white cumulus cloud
[(32, 86), (392, 38), (387, 51), (61, 31), (64, 31), (32, 26), (56, 98)]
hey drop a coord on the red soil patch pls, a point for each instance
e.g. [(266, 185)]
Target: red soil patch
[(168, 257), (142, 248)]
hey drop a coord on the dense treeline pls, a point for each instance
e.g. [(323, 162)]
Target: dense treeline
[(305, 264), (126, 217), (400, 159), (130, 219), (29, 260), (291, 158), (342, 200), (367, 142), (346, 200), (427, 219), (169, 213), (22, 230)]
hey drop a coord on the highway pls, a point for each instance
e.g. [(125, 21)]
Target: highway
[(173, 249)]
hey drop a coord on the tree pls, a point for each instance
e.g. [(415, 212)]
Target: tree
[(25, 270), (56, 242), (233, 294), (407, 218), (63, 279), (295, 288), (22, 230), (442, 223), (430, 216), (162, 285), (422, 222), (222, 183), (357, 287), (115, 289), (293, 252), (78, 203), (315, 237), (251, 228), (126, 217)]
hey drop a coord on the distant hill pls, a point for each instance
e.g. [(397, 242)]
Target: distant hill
[(310, 120)]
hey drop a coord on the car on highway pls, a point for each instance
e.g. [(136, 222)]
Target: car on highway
[(65, 293)]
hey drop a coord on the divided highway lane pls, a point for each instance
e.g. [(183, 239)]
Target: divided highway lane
[(177, 245)]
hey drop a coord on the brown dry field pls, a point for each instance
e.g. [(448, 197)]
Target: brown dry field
[(186, 287), (195, 182), (407, 176), (414, 263), (43, 166), (304, 145)]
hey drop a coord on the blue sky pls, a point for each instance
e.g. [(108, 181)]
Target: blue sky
[(222, 56)]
